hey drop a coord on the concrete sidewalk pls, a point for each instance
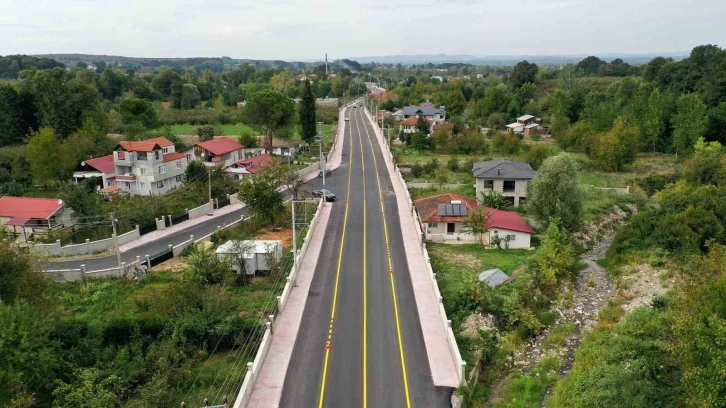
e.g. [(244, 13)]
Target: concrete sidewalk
[(268, 387), (440, 355)]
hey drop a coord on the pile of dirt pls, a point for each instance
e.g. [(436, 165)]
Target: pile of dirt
[(592, 231), (284, 235), (643, 283), (475, 322)]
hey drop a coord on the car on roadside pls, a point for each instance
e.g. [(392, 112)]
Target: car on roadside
[(327, 173), (327, 194)]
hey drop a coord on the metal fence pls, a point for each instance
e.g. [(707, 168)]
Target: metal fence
[(176, 219), (147, 229), (223, 203), (160, 257)]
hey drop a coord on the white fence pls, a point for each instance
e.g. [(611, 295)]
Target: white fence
[(451, 339), (74, 275), (88, 247), (203, 209)]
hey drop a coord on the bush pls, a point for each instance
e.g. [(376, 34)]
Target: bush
[(416, 170), (453, 164), (431, 166)]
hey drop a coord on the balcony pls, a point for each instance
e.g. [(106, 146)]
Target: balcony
[(123, 158), (125, 177)]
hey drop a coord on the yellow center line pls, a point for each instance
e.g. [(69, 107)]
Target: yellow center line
[(391, 274), (337, 276)]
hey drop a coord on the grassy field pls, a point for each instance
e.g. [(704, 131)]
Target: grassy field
[(227, 130), (456, 265)]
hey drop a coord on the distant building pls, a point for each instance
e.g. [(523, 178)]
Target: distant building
[(528, 125), (508, 177), (409, 125), (102, 168), (251, 165), (24, 216), (427, 111), (280, 147), (223, 151), (148, 167)]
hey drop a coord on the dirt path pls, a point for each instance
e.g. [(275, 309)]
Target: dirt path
[(592, 290)]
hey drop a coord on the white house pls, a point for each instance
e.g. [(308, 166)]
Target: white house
[(443, 215), (22, 216), (508, 177), (148, 167), (102, 168), (220, 150)]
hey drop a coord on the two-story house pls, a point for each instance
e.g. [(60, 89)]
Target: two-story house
[(251, 165), (425, 110), (221, 150), (410, 125), (101, 168), (528, 125), (148, 167), (508, 177)]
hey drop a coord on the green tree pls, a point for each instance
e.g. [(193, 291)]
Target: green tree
[(689, 123), (523, 73), (91, 389), (422, 125), (476, 222), (205, 133), (190, 97), (494, 199), (616, 148), (196, 172), (260, 194), (537, 154), (555, 193), (553, 259), (45, 156), (138, 110), (307, 114), (16, 116), (654, 118), (82, 198), (270, 109)]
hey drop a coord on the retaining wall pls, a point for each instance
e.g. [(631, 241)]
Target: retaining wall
[(203, 209)]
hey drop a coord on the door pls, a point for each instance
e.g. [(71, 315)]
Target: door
[(450, 228)]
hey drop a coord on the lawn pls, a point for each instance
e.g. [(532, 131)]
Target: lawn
[(456, 265), (598, 203)]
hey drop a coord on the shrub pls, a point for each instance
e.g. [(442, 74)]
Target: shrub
[(431, 166), (453, 164), (417, 170)]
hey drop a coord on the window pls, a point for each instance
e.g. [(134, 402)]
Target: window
[(162, 169), (142, 186), (141, 155), (178, 179), (142, 171), (433, 225), (511, 238), (159, 184), (509, 186), (156, 154), (178, 164), (165, 150), (489, 184)]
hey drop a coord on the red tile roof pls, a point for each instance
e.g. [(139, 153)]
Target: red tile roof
[(508, 220), (220, 145), (428, 208), (147, 145), (104, 164), (257, 163), (173, 156), (27, 207), (412, 121), (111, 189)]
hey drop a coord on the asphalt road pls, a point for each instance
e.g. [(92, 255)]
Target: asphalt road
[(355, 336), (174, 239)]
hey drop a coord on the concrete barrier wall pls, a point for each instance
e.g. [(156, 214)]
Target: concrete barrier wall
[(436, 185), (160, 224), (53, 249), (130, 236), (66, 275), (203, 209), (234, 199), (177, 250)]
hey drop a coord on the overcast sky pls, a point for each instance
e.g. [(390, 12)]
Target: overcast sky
[(306, 29)]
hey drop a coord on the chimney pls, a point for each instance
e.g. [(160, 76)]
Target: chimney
[(499, 172)]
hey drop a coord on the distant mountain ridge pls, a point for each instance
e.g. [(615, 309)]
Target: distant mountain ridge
[(512, 59)]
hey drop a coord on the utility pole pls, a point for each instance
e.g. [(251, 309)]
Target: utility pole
[(115, 238), (209, 183), (320, 140)]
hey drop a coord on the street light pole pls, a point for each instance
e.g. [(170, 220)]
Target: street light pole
[(322, 166), (115, 238)]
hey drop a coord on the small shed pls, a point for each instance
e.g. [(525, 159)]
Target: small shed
[(493, 277), (253, 251)]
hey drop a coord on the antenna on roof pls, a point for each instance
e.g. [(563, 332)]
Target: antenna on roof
[(326, 64)]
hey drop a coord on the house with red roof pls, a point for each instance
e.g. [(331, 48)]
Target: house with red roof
[(147, 167), (24, 215), (251, 165), (223, 151), (409, 125), (443, 215), (102, 168)]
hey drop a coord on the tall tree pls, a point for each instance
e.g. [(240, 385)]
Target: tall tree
[(523, 73), (476, 223), (16, 116), (689, 123), (555, 192), (307, 113), (616, 148), (190, 96), (272, 110), (260, 194), (45, 156)]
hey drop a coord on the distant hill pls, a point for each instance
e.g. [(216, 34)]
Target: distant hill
[(511, 59)]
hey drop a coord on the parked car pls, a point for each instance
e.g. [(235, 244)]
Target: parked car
[(327, 173), (329, 196)]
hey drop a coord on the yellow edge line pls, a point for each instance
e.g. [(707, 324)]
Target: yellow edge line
[(390, 266), (365, 277), (337, 274)]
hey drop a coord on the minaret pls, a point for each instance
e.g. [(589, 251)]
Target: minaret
[(326, 64)]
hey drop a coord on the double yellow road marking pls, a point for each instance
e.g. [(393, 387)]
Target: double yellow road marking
[(365, 285), (337, 276)]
